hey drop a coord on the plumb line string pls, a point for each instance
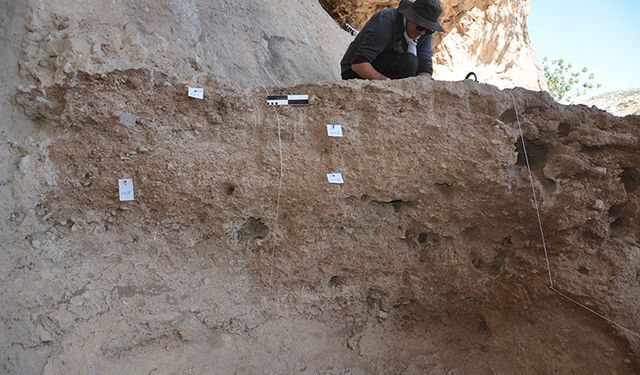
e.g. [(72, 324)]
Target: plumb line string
[(277, 215), (544, 242), (275, 225)]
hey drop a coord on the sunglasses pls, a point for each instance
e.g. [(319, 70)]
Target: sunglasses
[(427, 31)]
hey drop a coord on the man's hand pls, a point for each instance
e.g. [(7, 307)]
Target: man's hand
[(425, 74), (367, 71)]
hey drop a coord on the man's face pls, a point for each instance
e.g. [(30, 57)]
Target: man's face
[(413, 32)]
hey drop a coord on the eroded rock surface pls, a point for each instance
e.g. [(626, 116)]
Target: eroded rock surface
[(619, 103), (250, 42), (427, 260), (488, 37)]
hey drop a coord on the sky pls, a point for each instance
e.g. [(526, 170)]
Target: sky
[(603, 36)]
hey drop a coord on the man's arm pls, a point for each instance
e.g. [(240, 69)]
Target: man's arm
[(373, 39), (367, 71)]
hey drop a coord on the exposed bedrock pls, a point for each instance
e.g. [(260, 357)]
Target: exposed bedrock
[(251, 42)]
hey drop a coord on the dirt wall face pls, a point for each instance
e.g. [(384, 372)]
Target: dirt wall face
[(488, 37), (238, 255)]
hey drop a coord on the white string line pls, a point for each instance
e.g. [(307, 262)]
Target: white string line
[(533, 191), (544, 243), (281, 176), (275, 227), (596, 313)]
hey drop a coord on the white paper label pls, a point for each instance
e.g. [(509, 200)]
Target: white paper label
[(197, 93), (125, 186), (334, 130), (335, 178)]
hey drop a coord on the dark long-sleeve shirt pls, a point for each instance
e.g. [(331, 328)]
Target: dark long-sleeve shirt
[(384, 33)]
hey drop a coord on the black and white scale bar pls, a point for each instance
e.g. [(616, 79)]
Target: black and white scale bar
[(287, 99)]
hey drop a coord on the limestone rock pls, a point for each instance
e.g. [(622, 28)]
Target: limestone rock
[(249, 42), (619, 103), (127, 119)]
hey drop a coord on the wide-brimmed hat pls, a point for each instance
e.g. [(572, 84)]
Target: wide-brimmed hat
[(423, 13)]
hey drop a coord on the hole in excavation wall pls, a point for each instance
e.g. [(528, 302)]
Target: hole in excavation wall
[(444, 188), (397, 205), (630, 179), (230, 189), (619, 220), (336, 280), (491, 268), (483, 326), (428, 237), (422, 238), (252, 229), (583, 270), (508, 116), (507, 242), (549, 185), (536, 152), (617, 223), (564, 129)]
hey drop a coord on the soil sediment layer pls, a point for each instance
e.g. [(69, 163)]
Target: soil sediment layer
[(427, 259)]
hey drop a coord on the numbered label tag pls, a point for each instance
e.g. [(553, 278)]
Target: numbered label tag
[(195, 92), (334, 131), (335, 178), (125, 187)]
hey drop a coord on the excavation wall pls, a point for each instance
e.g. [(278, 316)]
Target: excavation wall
[(238, 255)]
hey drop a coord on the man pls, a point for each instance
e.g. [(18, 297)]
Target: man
[(395, 43)]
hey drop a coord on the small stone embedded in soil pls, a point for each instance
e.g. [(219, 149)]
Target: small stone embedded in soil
[(44, 334), (86, 180), (382, 315), (127, 119)]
